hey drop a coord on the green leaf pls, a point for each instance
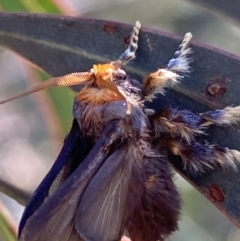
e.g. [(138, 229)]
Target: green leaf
[(42, 6), (62, 45)]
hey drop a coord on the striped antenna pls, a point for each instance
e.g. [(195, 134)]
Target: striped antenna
[(66, 80), (180, 62), (129, 53)]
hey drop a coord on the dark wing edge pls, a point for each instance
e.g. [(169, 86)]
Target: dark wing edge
[(73, 139)]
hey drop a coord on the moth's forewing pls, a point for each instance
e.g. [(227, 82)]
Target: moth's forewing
[(54, 219), (101, 212), (61, 169)]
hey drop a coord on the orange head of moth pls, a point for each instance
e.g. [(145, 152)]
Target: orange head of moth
[(107, 90)]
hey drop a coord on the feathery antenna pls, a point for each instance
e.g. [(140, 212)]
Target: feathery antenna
[(66, 80), (180, 61)]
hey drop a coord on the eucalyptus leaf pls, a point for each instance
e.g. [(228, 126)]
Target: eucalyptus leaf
[(228, 8), (61, 45)]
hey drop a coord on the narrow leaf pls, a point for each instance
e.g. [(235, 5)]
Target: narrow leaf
[(62, 45), (228, 8)]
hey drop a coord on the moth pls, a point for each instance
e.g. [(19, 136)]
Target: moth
[(112, 176)]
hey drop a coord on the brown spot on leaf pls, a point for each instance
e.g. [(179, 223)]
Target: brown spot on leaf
[(109, 28), (216, 193), (217, 88), (127, 40)]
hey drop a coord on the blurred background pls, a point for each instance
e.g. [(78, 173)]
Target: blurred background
[(32, 129)]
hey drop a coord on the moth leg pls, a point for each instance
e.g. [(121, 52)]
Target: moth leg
[(187, 124), (227, 116), (157, 81), (201, 157), (178, 123)]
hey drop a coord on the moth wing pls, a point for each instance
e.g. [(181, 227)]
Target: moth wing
[(54, 219), (58, 173), (101, 211)]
